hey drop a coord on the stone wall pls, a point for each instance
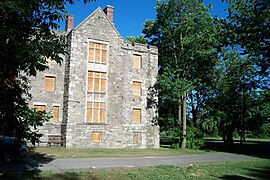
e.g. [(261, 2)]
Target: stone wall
[(49, 99), (118, 130)]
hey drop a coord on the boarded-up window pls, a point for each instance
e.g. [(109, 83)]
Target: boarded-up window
[(96, 112), (136, 116), (55, 114), (137, 61), (49, 83), (39, 108), (96, 137), (96, 82), (136, 88), (137, 137), (97, 53)]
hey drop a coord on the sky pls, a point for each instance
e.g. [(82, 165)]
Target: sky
[(129, 15)]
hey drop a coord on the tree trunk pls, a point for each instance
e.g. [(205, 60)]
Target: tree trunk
[(241, 137), (180, 117), (184, 133), (230, 137), (224, 137)]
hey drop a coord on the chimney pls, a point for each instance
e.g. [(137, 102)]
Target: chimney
[(70, 22), (109, 12)]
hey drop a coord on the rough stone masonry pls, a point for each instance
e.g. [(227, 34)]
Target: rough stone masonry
[(103, 93)]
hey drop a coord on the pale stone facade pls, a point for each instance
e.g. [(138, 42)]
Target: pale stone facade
[(99, 95)]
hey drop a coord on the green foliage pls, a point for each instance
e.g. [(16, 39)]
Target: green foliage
[(139, 39), (209, 126), (27, 42), (263, 132), (238, 102), (194, 138), (185, 34), (222, 64), (248, 26)]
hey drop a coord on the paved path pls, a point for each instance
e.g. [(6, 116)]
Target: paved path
[(57, 165), (86, 163)]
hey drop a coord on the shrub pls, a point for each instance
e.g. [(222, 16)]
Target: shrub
[(263, 132), (194, 138), (175, 146)]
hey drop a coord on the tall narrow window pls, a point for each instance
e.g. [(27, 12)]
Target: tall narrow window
[(49, 83), (137, 138), (97, 52), (55, 114), (96, 137), (96, 112), (137, 61), (136, 88), (96, 82), (136, 116)]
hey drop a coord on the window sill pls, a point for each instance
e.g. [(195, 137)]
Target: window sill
[(90, 123), (56, 123), (102, 93)]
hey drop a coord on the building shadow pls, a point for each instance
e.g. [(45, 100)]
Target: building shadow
[(260, 149), (27, 165)]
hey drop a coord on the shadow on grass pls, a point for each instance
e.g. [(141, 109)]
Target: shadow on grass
[(253, 148), (29, 164), (262, 173), (58, 176)]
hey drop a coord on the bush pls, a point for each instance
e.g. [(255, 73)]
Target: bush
[(194, 138), (175, 146), (263, 132)]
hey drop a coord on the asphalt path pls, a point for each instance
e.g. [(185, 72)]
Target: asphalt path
[(62, 165), (91, 163)]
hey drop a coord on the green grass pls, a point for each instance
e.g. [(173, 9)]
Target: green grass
[(55, 152), (250, 169)]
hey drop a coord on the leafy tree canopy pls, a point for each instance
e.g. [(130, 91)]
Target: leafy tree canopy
[(248, 25), (139, 39), (27, 42), (185, 34)]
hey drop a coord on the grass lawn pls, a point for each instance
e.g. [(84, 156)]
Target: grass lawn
[(251, 147), (250, 169), (57, 152)]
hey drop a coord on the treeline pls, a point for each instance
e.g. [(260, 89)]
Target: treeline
[(213, 72)]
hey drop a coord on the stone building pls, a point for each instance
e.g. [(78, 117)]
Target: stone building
[(99, 95)]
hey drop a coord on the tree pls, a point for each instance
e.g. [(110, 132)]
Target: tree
[(27, 42), (248, 25), (226, 103), (237, 102), (184, 32), (243, 71), (139, 39)]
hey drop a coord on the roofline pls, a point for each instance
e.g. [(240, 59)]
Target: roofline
[(92, 14)]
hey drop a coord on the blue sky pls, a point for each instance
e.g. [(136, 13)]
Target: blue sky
[(129, 15)]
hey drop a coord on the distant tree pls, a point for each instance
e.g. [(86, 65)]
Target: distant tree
[(185, 34), (237, 103), (243, 71), (139, 39), (27, 42), (228, 94)]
